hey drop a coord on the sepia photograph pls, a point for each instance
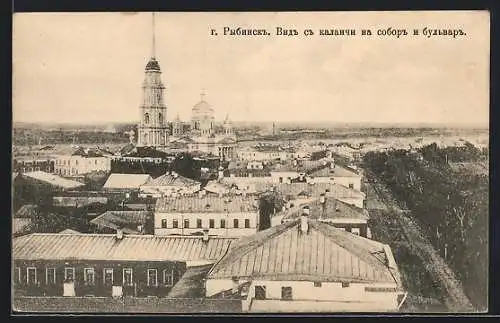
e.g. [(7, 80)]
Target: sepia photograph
[(250, 162)]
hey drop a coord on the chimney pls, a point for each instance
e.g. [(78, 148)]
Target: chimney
[(304, 225), (205, 235), (119, 234)]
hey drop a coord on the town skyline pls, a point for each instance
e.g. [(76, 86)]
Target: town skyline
[(92, 64)]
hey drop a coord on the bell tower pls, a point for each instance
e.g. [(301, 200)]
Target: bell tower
[(153, 127)]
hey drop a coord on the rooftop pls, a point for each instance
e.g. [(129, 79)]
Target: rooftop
[(53, 180), (207, 204), (106, 247), (126, 181), (171, 179), (27, 211), (311, 190), (323, 253), (78, 201), (337, 171), (331, 209), (128, 221)]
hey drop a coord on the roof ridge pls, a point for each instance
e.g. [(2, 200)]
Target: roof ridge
[(248, 245)]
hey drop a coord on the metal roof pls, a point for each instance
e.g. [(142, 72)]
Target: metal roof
[(126, 181), (207, 204), (337, 171), (308, 189), (171, 179), (57, 246), (324, 253), (128, 221), (53, 180), (78, 201), (331, 209)]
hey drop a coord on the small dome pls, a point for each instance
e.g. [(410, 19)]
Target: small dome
[(202, 106), (153, 65)]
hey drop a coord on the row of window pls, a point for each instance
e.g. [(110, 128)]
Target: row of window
[(68, 162), (147, 118), (199, 224), (89, 276)]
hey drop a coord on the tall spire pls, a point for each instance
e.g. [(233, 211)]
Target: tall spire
[(153, 47)]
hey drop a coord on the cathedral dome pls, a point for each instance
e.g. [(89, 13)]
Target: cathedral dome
[(153, 65), (202, 110)]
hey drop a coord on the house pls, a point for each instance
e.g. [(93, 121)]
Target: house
[(76, 265), (169, 184), (296, 192), (188, 215), (330, 210), (339, 175), (309, 266), (130, 222), (126, 182), (78, 201), (26, 164), (79, 161)]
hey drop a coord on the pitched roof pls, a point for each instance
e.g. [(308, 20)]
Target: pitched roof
[(20, 224), (57, 246), (332, 209), (206, 204), (337, 171), (307, 189), (27, 211), (170, 179), (324, 253), (53, 180), (126, 181), (128, 221)]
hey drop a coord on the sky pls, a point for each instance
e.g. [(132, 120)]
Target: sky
[(89, 67)]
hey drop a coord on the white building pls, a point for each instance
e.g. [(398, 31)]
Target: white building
[(169, 184), (309, 266), (80, 161), (338, 175), (188, 215)]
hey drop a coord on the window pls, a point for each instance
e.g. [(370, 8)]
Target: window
[(345, 284), (89, 276), (107, 276), (69, 274), (168, 277), (260, 292), (160, 116), (286, 293), (235, 223), (211, 223), (152, 277), (223, 224), (50, 275), (127, 277), (19, 278), (198, 223), (317, 284), (186, 223), (351, 185), (31, 275), (175, 223), (163, 223), (247, 223), (146, 118)]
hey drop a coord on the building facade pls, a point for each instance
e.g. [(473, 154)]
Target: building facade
[(221, 216)]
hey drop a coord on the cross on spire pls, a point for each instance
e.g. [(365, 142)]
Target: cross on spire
[(153, 47), (203, 94)]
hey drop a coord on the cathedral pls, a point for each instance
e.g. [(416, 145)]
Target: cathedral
[(202, 134)]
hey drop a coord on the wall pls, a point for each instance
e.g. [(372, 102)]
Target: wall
[(125, 305), (205, 217), (78, 165), (214, 286), (139, 276)]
